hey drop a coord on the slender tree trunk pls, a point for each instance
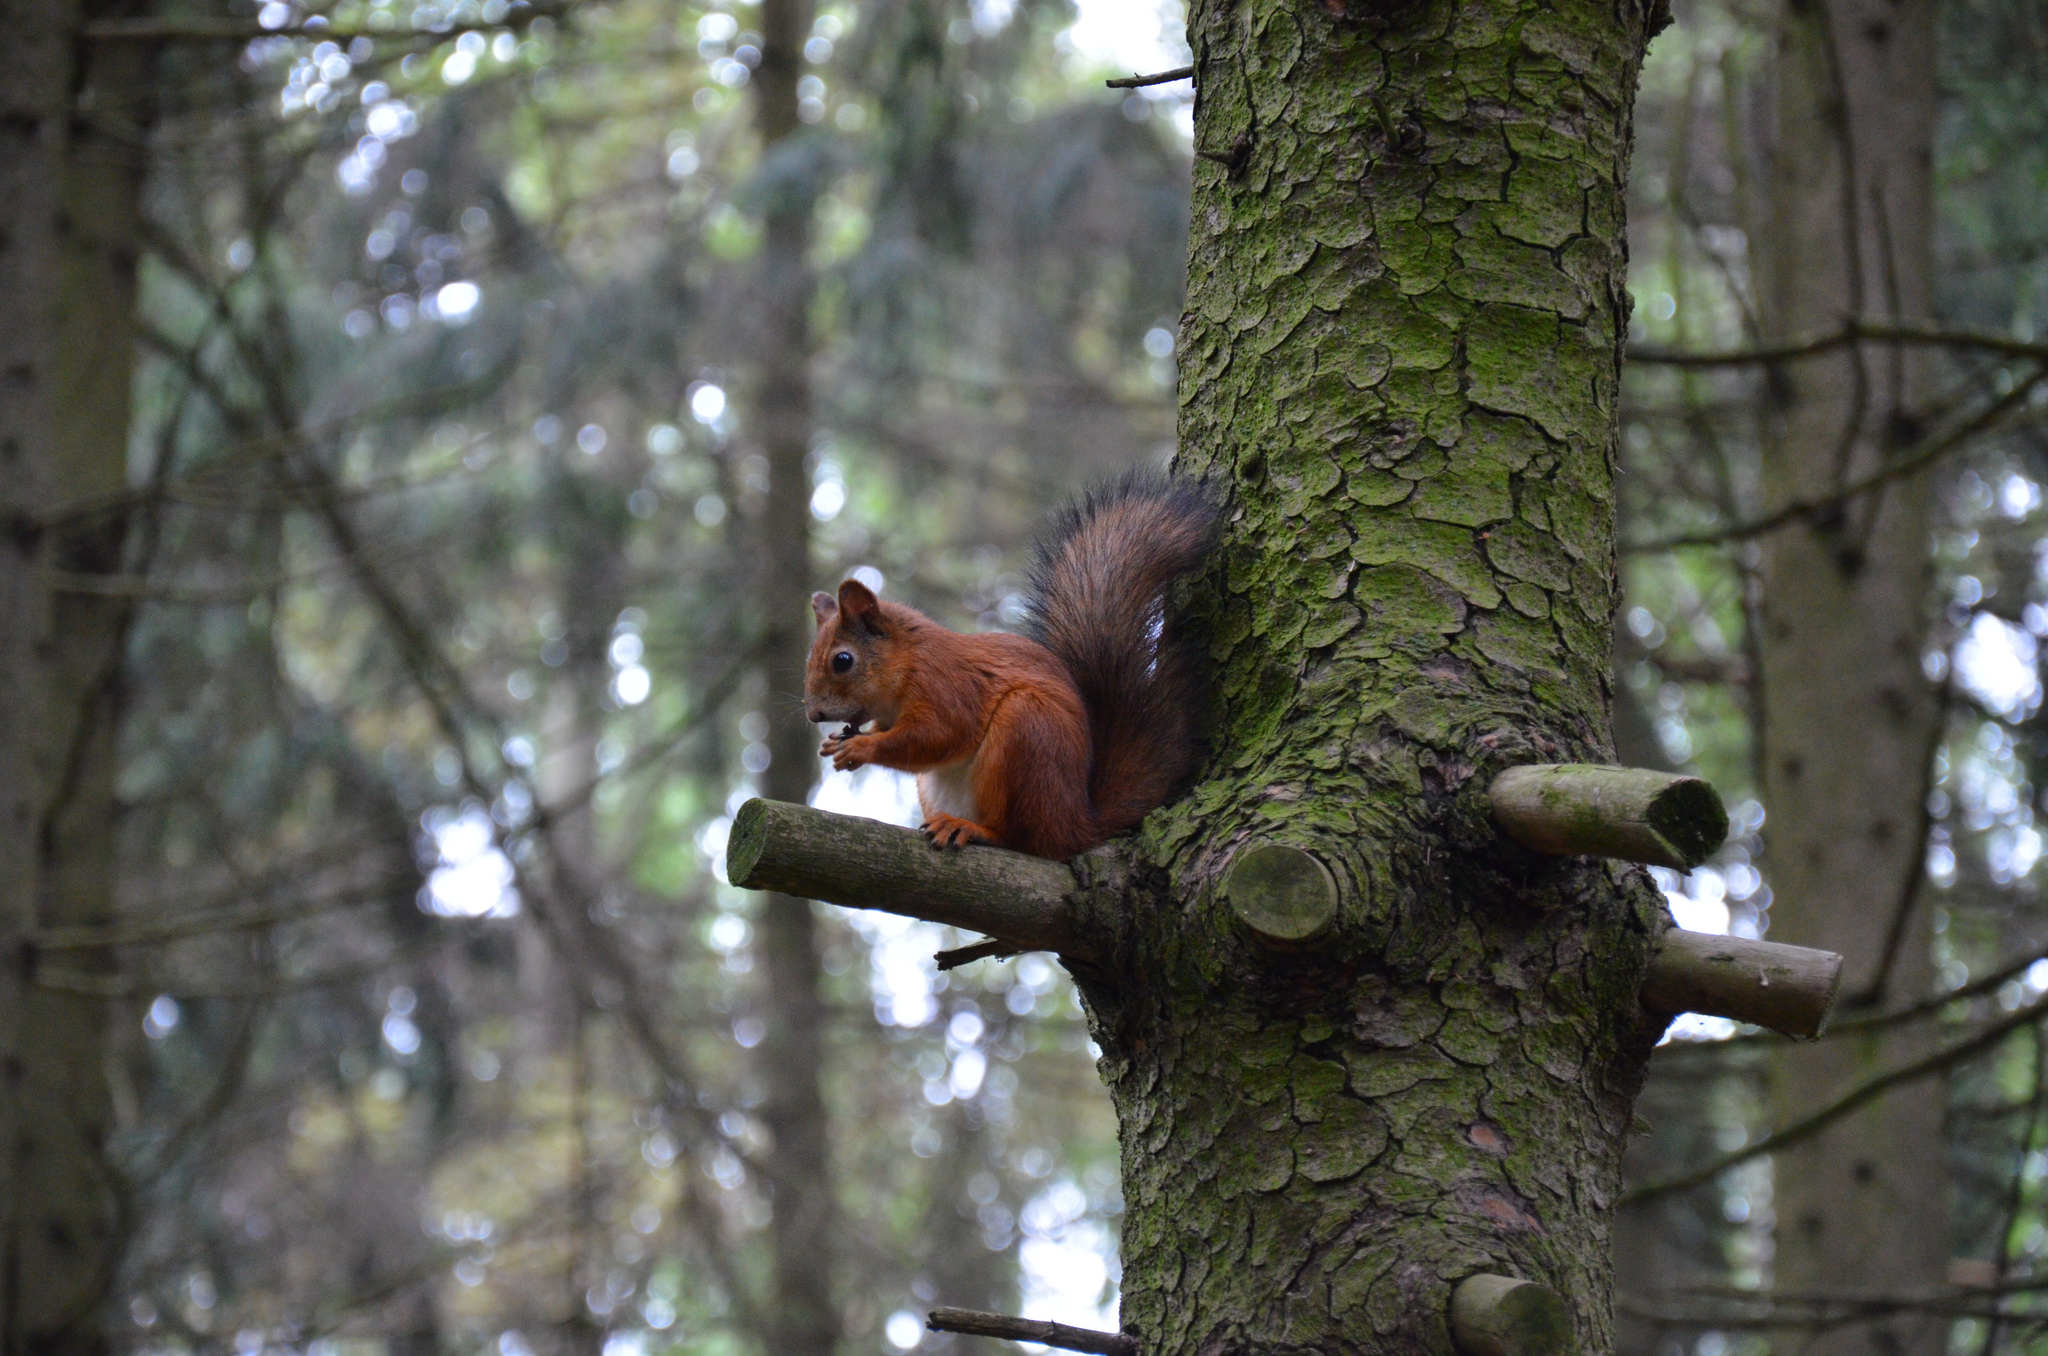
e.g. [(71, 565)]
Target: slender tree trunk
[(559, 1033), (1848, 716), (962, 1268), (1399, 367), (35, 77), (553, 1031), (74, 228), (804, 1314)]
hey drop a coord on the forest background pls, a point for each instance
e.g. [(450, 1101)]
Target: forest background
[(485, 385)]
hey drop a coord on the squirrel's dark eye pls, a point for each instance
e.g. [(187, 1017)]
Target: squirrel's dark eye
[(842, 661)]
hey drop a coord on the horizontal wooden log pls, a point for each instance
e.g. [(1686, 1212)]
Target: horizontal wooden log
[(1503, 1316), (1789, 989), (866, 864), (1631, 813)]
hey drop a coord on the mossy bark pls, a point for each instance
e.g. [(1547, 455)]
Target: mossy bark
[(1399, 367)]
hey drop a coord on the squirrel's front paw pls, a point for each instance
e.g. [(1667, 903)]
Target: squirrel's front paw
[(847, 749), (951, 831)]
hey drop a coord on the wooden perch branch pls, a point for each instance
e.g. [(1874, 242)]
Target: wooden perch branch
[(1631, 813), (975, 1323), (1501, 1316), (1789, 989), (865, 864)]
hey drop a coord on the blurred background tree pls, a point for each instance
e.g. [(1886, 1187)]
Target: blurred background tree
[(503, 376)]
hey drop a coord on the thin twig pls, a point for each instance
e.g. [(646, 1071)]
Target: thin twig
[(976, 1323), (986, 949), (1821, 1310), (89, 984), (1919, 459), (1862, 1093), (148, 931), (1849, 332), (2015, 1187), (1873, 993), (195, 29), (172, 593), (1162, 78)]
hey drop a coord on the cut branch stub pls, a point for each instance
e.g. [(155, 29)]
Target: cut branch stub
[(1501, 1316), (1789, 989), (1284, 895), (865, 864), (1631, 813)]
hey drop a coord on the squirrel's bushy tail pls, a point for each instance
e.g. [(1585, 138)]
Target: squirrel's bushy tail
[(1098, 602)]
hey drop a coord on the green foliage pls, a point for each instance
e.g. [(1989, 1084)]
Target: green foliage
[(445, 675)]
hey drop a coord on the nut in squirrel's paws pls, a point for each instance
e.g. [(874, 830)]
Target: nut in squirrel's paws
[(844, 753), (840, 749), (951, 831)]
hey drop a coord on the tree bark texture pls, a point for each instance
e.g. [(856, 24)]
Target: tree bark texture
[(803, 1313), (1399, 367), (74, 202), (1848, 719)]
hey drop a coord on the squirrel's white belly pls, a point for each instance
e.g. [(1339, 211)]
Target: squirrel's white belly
[(949, 790)]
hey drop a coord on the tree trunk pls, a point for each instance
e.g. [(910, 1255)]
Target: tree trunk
[(74, 235), (803, 1312), (1848, 717), (35, 79), (1399, 367)]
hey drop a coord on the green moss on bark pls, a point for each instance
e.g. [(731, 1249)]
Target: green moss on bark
[(1399, 369)]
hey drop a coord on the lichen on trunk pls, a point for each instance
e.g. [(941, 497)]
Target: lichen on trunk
[(1399, 366)]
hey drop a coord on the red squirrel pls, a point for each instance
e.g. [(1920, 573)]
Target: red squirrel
[(1049, 742)]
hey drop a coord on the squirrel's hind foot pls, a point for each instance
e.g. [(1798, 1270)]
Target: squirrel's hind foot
[(951, 831)]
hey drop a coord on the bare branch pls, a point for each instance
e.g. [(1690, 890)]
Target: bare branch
[(1918, 459), (1726, 1306), (2016, 1184), (866, 864), (1851, 331), (1163, 78), (988, 949), (1873, 993), (93, 984), (231, 594), (176, 927), (976, 1323), (195, 29), (1868, 1090)]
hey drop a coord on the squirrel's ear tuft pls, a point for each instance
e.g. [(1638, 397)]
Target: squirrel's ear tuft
[(858, 604), (823, 605)]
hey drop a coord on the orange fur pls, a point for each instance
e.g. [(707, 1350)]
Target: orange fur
[(1048, 747)]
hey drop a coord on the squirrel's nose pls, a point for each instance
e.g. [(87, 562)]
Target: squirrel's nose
[(814, 715)]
